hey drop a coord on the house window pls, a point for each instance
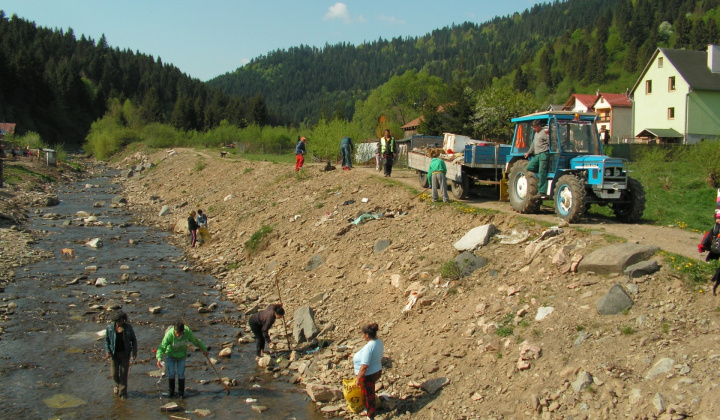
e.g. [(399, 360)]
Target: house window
[(671, 113), (660, 62), (648, 87), (671, 84)]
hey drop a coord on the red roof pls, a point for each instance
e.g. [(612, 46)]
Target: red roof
[(587, 100), (412, 124), (8, 127), (616, 99)]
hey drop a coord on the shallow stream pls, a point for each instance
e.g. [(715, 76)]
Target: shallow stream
[(52, 359)]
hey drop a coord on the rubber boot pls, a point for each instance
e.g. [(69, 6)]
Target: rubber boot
[(181, 388), (172, 387)]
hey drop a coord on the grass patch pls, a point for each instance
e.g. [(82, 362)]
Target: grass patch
[(693, 271), (200, 165), (504, 331), (258, 241), (260, 157), (665, 327), (319, 205), (248, 170), (627, 330), (14, 174), (233, 265), (451, 270), (579, 328), (302, 175)]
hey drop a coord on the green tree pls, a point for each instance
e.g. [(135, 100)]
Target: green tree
[(495, 107)]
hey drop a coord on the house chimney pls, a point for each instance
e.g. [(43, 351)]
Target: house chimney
[(713, 61)]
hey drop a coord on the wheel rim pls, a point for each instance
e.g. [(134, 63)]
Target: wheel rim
[(564, 199), (521, 186)]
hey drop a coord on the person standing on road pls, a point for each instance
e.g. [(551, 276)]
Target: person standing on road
[(260, 324), (193, 228), (377, 156), (541, 155), (711, 242), (346, 149), (120, 345), (174, 346), (436, 178), (367, 364), (388, 151), (300, 154)]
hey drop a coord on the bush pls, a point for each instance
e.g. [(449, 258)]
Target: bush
[(705, 157), (258, 241)]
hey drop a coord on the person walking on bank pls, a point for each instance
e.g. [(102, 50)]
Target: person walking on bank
[(346, 149), (388, 151), (300, 154), (174, 346), (436, 178), (541, 154), (120, 344), (260, 324), (193, 228), (367, 364)]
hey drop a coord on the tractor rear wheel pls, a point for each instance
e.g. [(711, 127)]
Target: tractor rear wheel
[(460, 189), (523, 189), (422, 177), (631, 211), (570, 198)]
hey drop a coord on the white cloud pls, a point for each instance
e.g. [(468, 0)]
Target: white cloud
[(391, 19), (339, 11)]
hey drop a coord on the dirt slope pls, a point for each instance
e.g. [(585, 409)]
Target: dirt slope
[(468, 331)]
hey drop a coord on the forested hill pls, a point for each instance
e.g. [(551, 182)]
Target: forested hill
[(55, 84), (587, 44)]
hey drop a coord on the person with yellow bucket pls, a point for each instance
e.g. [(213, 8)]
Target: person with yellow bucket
[(203, 231)]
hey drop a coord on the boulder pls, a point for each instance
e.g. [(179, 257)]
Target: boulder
[(468, 262), (661, 367), (164, 211), (432, 386), (642, 268), (323, 393), (583, 381), (226, 352), (304, 328), (381, 245), (616, 258), (101, 282), (615, 301), (314, 262), (475, 238), (94, 243), (119, 200)]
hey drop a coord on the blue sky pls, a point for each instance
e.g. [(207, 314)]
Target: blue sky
[(211, 37)]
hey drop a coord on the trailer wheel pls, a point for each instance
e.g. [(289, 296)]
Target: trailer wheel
[(522, 189), (460, 189), (570, 198), (422, 177), (632, 211)]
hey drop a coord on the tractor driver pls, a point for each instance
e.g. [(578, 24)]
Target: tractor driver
[(540, 151)]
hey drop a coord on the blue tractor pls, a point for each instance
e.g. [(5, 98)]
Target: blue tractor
[(579, 174)]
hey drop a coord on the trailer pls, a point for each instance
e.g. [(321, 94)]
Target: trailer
[(480, 163)]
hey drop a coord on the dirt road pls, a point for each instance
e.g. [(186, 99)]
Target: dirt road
[(671, 239)]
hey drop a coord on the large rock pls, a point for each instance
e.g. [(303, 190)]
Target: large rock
[(661, 367), (583, 381), (642, 268), (615, 301), (164, 211), (304, 328), (475, 238), (181, 226), (119, 200), (323, 393), (433, 385), (314, 262), (94, 243), (381, 245), (468, 262), (616, 258)]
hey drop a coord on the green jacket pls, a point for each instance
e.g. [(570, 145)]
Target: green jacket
[(176, 347), (436, 164)]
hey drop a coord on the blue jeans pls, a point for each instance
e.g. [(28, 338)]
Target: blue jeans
[(346, 157), (173, 363)]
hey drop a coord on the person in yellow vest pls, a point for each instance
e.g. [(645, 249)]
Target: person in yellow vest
[(387, 150)]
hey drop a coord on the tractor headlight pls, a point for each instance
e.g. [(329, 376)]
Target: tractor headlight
[(608, 172), (618, 172)]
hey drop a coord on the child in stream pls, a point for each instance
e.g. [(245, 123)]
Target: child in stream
[(174, 346)]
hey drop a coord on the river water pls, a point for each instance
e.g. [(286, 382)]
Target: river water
[(52, 359)]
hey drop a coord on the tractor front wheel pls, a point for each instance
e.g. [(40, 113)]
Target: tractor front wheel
[(632, 210), (570, 198), (523, 189)]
